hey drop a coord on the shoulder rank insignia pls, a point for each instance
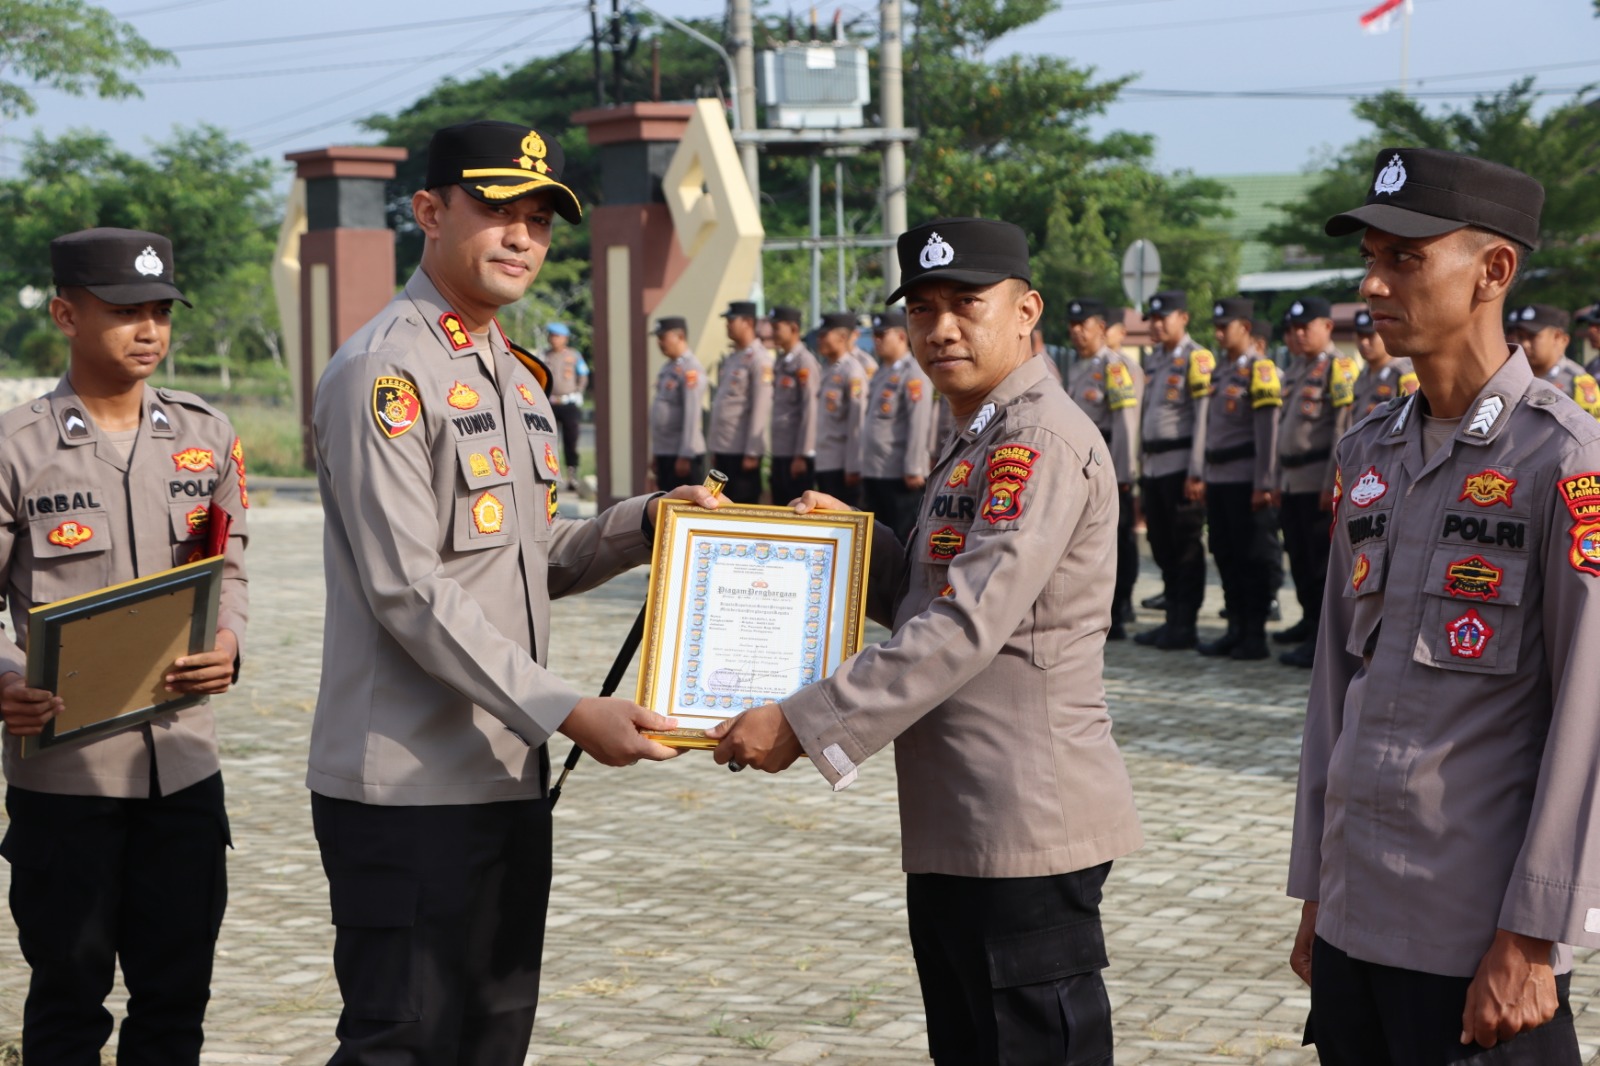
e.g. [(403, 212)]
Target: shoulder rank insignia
[(1266, 388), (194, 460), (395, 405), (462, 397), (1202, 364), (70, 534), (1120, 393), (454, 331)]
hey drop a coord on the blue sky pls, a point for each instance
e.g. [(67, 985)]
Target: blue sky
[(229, 73)]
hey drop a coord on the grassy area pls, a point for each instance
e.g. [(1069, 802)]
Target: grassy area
[(271, 436)]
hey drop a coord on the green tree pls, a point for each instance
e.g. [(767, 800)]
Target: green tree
[(68, 45), (1560, 148), (199, 188)]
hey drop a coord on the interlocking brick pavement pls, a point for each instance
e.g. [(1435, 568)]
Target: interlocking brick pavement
[(700, 918)]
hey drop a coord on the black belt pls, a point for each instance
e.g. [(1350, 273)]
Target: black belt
[(1156, 447), (1289, 462), (1247, 450)]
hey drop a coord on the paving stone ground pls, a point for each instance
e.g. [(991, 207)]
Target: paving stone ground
[(705, 919)]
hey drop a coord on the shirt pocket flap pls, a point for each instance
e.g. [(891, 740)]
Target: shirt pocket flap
[(1369, 568), (190, 520), (1045, 955), (484, 518), (84, 533), (1457, 572), (483, 462)]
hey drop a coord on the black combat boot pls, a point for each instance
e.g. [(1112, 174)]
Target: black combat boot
[(1298, 633), (1225, 643), (1150, 638), (1252, 640)]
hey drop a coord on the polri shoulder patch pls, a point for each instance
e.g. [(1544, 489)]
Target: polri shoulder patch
[(395, 405)]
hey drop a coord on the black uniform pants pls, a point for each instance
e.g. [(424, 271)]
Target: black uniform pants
[(95, 880), (832, 482), (1127, 553), (785, 486), (569, 416), (1173, 526), (1010, 968), (892, 503), (667, 477), (1364, 1014), (744, 486), (1305, 537), (439, 926), (1245, 545)]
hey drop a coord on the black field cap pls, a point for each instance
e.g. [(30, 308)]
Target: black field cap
[(498, 162), (1261, 328), (893, 318), (1536, 317), (121, 266), (839, 320), (1166, 302), (1587, 315), (978, 251), (740, 309), (1424, 192), (783, 313), (1308, 309), (1364, 322), (671, 322), (1232, 309), (1082, 310)]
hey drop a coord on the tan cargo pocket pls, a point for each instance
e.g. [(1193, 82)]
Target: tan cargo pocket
[(483, 462), (1472, 620), (70, 553)]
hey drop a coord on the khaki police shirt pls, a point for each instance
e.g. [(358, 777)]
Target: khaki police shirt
[(567, 376), (1242, 425), (843, 399), (898, 440), (1577, 383), (869, 364), (796, 377), (75, 516), (1374, 388), (990, 687), (1452, 746), (1318, 397), (442, 550), (1107, 387), (675, 413), (1177, 398), (741, 408)]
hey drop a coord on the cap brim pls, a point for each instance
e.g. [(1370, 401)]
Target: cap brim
[(137, 292), (496, 191), (1391, 219), (969, 277)]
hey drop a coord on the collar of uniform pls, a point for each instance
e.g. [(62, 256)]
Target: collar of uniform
[(431, 305), (1184, 342), (1030, 373), (1488, 413), (1102, 354)]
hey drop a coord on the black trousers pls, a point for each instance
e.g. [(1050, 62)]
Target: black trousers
[(892, 503), (95, 881), (785, 486), (744, 486), (832, 482), (1010, 968), (1305, 537), (1245, 545), (1127, 553), (667, 477), (1363, 1014), (569, 416), (439, 926), (1173, 526)]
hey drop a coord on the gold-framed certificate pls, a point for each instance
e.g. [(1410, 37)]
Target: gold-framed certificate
[(747, 605)]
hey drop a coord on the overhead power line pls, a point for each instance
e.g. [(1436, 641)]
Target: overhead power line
[(367, 31)]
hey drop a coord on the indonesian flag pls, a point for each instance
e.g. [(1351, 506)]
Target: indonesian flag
[(1380, 18)]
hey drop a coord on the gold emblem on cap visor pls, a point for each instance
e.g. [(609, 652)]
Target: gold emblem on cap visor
[(533, 152)]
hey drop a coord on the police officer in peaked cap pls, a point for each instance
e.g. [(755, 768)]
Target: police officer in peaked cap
[(1447, 802), (741, 406), (117, 837), (677, 439), (439, 465)]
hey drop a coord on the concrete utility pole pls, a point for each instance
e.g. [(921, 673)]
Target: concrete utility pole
[(744, 62), (894, 151)]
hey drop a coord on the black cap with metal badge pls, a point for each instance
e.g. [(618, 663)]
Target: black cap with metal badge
[(120, 266)]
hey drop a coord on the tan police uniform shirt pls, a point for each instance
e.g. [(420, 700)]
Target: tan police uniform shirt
[(843, 400), (898, 439), (437, 461), (1242, 425), (1107, 387), (1177, 399), (1318, 397), (1577, 383), (1452, 745), (675, 413), (869, 364), (567, 375), (796, 377), (990, 687), (741, 408), (1375, 388), (75, 516)]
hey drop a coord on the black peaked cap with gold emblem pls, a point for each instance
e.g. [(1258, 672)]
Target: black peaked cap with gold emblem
[(978, 251), (121, 266), (498, 162), (1427, 192)]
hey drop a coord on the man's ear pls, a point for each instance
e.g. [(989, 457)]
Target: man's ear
[(426, 207), (1030, 308), (1499, 270), (64, 314)]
